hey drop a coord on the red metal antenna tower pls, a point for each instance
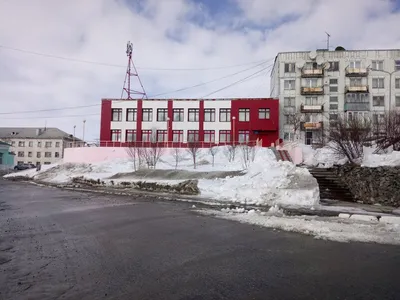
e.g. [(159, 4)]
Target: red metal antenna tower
[(132, 72)]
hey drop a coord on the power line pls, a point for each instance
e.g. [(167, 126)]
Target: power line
[(207, 82), (52, 117), (237, 82), (49, 109), (122, 66)]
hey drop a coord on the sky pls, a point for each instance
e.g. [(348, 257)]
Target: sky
[(58, 54)]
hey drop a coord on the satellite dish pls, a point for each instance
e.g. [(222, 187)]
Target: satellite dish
[(313, 54), (320, 60), (300, 64), (327, 65)]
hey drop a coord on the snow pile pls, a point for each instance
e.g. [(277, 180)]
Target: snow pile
[(323, 157), (392, 158), (332, 228), (265, 181)]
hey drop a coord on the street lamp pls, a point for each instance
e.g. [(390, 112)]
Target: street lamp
[(73, 137), (234, 123), (83, 135), (168, 119), (390, 83)]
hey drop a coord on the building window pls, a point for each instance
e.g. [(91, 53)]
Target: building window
[(193, 115), (29, 154), (333, 85), (47, 154), (288, 119), (38, 154), (162, 136), (13, 143), (224, 136), (147, 135), (397, 65), (333, 103), (39, 144), (30, 144), (225, 115), (47, 163), (209, 136), (333, 106), (193, 136), (289, 84), (397, 101), (178, 114), (21, 154), (311, 82), (312, 100), (131, 114), (209, 115), (377, 65), (47, 144), (355, 82), (21, 144), (147, 115), (177, 136), (244, 136), (116, 135), (333, 117), (333, 66), (57, 144), (378, 100), (57, 154), (378, 83), (162, 114), (290, 68), (263, 113), (289, 102), (130, 136), (116, 114), (397, 83), (355, 64), (244, 114)]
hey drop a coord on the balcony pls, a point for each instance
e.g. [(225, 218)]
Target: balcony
[(307, 73), (312, 90), (357, 106), (312, 108), (356, 72), (357, 89), (311, 126)]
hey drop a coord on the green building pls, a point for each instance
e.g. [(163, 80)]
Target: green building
[(6, 157)]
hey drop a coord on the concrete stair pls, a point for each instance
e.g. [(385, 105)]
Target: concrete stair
[(330, 187)]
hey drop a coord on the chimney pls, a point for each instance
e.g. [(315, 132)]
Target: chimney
[(38, 131)]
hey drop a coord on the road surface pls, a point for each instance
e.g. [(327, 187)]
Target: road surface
[(57, 244)]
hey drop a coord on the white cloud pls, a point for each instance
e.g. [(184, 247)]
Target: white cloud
[(98, 30)]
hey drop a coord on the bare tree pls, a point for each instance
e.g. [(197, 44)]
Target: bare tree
[(178, 156), (348, 135), (213, 151), (248, 155), (133, 153), (153, 153), (230, 152), (295, 120), (386, 131), (193, 149)]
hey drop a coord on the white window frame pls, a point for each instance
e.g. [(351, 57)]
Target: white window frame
[(377, 65), (378, 83), (289, 84)]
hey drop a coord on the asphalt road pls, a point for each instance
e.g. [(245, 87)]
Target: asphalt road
[(58, 244)]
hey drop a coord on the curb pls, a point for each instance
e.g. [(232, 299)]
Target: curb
[(387, 219)]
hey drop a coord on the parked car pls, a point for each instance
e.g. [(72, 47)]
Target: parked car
[(21, 167)]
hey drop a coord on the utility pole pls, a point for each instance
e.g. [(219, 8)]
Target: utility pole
[(73, 137), (83, 135)]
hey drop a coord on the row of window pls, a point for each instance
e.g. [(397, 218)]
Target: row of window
[(30, 162), (290, 102), (38, 154), (377, 83), (38, 144), (177, 136), (193, 114), (334, 65)]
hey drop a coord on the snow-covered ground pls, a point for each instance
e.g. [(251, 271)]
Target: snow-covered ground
[(265, 181), (329, 228)]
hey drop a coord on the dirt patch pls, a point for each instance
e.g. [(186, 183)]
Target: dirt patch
[(175, 174)]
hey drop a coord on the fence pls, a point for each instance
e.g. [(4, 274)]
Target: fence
[(174, 144)]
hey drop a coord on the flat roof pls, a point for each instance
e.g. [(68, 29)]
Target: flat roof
[(189, 99)]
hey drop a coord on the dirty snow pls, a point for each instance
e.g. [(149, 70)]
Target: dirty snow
[(265, 182), (322, 157), (328, 228), (392, 158)]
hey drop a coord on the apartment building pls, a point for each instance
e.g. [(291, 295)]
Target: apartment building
[(316, 86), (179, 121), (38, 145)]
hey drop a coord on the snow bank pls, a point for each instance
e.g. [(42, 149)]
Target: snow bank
[(322, 157), (335, 229), (375, 160), (265, 182)]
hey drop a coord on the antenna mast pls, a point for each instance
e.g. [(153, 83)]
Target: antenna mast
[(327, 40), (132, 72)]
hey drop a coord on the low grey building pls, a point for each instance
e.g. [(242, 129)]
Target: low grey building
[(38, 145)]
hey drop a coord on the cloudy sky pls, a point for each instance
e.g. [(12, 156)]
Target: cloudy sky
[(58, 54)]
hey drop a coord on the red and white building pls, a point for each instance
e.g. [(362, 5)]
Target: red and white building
[(176, 122)]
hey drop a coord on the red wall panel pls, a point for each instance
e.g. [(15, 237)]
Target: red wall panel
[(105, 121), (139, 117), (170, 117)]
